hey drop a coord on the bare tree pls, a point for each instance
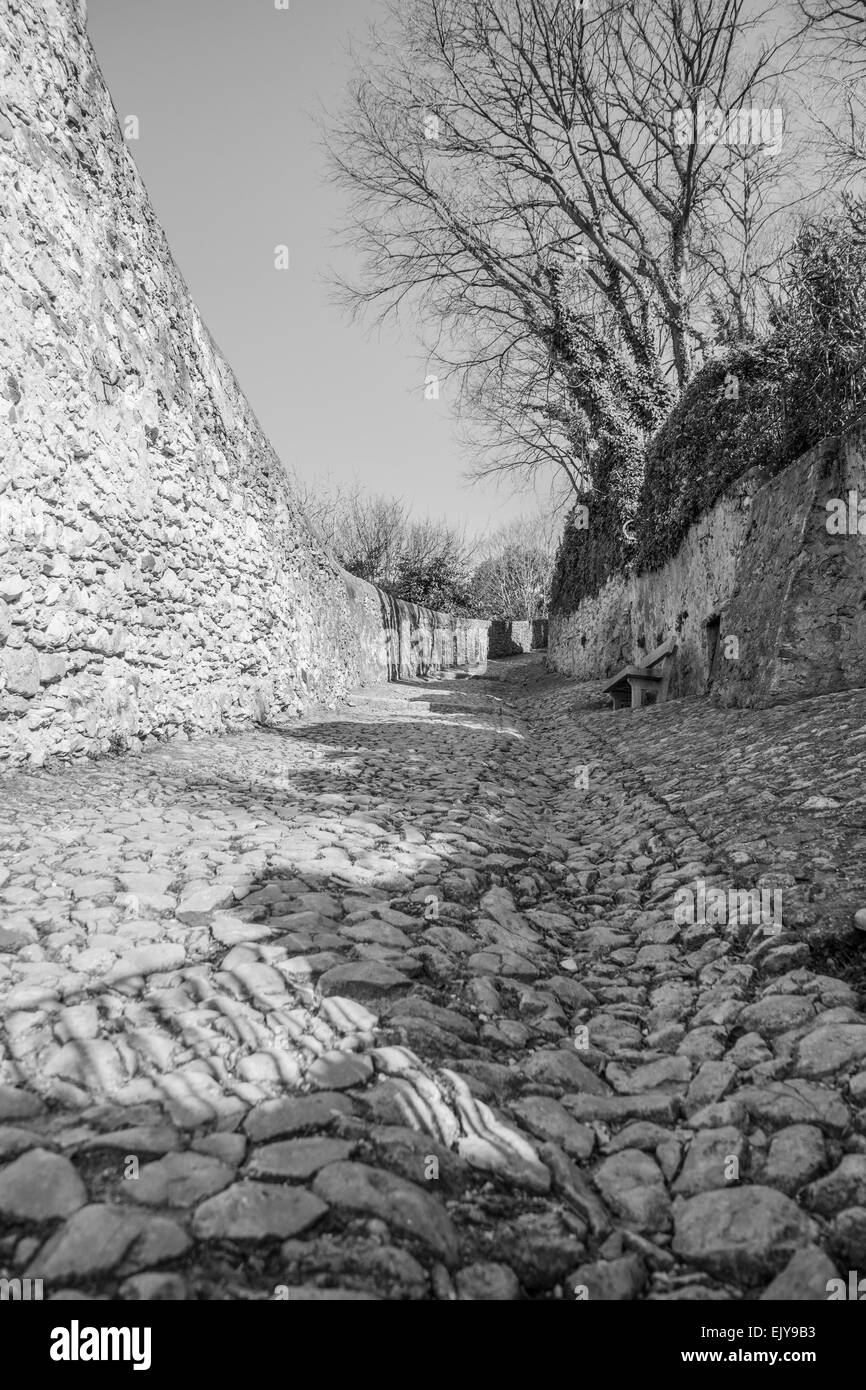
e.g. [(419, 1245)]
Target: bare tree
[(514, 578), (532, 178), (837, 102), (836, 18), (434, 566), (425, 561), (320, 505), (370, 537)]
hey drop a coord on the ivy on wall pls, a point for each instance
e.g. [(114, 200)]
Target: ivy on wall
[(729, 420), (589, 554), (755, 405)]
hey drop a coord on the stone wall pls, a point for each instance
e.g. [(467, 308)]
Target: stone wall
[(799, 604), (507, 637), (156, 576), (788, 598), (633, 613), (397, 640)]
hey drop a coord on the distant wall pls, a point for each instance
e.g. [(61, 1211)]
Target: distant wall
[(511, 638), (789, 597), (157, 578), (397, 640)]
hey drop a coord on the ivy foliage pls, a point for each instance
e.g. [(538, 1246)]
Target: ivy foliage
[(588, 555), (753, 405), (728, 421)]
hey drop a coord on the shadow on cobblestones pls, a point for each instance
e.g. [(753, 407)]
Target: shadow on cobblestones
[(391, 1004)]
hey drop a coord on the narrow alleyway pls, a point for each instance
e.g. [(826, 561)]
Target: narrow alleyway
[(393, 1003)]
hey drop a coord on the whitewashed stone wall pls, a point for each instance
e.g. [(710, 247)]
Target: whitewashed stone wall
[(156, 576)]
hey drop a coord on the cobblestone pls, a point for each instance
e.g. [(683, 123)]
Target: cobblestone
[(386, 1004)]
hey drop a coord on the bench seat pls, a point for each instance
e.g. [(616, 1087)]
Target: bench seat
[(636, 686)]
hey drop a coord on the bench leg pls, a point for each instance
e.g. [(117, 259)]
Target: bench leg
[(643, 692)]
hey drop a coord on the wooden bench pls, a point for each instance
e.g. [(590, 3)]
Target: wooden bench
[(635, 686)]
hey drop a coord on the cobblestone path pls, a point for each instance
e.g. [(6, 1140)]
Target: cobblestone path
[(388, 1004)]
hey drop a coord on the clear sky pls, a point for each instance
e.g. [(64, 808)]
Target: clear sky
[(225, 92)]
